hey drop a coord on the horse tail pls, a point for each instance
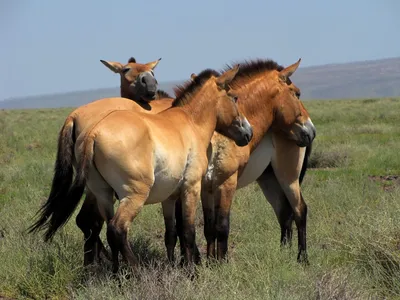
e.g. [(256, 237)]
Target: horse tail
[(305, 163), (65, 194), (65, 209), (63, 174)]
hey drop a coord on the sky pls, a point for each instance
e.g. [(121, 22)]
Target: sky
[(53, 46)]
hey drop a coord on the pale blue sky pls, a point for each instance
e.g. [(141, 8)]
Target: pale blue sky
[(49, 46)]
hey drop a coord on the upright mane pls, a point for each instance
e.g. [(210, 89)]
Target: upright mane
[(162, 94), (132, 60), (184, 93), (253, 67)]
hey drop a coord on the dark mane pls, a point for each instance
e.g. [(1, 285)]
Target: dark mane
[(162, 94), (183, 92), (254, 67), (132, 60)]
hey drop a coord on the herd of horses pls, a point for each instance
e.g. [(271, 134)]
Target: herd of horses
[(222, 131)]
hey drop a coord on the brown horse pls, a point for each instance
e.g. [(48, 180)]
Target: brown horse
[(150, 158), (282, 128), (136, 79), (137, 83)]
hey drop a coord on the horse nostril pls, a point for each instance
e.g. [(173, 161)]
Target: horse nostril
[(143, 80), (249, 136)]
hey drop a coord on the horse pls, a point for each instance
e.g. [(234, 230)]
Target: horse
[(136, 79), (151, 158), (276, 158), (137, 83)]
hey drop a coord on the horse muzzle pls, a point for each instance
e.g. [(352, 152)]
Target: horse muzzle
[(242, 133), (306, 134), (145, 87)]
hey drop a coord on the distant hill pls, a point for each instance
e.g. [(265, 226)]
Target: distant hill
[(71, 99), (366, 79), (373, 78)]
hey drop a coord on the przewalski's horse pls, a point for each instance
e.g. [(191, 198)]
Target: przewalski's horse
[(150, 158), (282, 128), (137, 80), (137, 85)]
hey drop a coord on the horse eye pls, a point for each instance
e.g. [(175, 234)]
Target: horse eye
[(298, 95), (125, 70), (235, 98)]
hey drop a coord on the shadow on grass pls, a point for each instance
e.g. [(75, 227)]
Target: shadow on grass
[(146, 254)]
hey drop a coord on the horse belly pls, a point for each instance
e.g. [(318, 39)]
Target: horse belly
[(168, 176), (259, 160)]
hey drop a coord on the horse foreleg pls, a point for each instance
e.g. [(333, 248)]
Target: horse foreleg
[(287, 163), (293, 193), (190, 198), (179, 230), (207, 201), (170, 237), (223, 201), (276, 197)]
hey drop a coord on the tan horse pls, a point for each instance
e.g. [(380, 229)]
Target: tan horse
[(282, 128), (151, 158), (137, 83)]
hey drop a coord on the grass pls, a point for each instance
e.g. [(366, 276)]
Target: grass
[(353, 225)]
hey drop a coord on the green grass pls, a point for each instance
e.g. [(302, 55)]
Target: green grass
[(353, 224)]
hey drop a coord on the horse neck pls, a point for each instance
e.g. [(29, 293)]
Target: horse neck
[(203, 115), (126, 93), (258, 107)]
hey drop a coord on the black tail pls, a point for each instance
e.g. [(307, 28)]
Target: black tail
[(305, 163), (64, 195)]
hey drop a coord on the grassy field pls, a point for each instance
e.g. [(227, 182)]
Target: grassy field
[(353, 227)]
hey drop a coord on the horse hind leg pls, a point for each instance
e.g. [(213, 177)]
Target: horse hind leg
[(97, 208), (90, 221), (276, 197), (118, 227), (85, 220)]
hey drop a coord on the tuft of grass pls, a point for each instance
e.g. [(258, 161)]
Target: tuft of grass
[(329, 158), (339, 284)]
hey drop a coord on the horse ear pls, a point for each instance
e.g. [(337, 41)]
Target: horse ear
[(153, 64), (193, 77), (288, 71), (116, 67), (225, 79)]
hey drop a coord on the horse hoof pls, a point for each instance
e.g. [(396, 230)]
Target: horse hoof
[(303, 259)]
